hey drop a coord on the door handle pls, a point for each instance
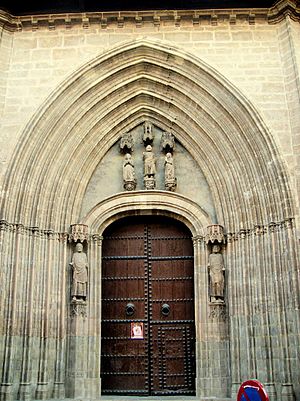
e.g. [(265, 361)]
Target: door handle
[(165, 309), (129, 309)]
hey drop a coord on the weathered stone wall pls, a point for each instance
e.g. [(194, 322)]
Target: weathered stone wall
[(57, 126)]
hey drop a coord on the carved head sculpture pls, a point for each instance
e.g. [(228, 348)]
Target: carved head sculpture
[(128, 158), (169, 156), (216, 249), (79, 247), (148, 148)]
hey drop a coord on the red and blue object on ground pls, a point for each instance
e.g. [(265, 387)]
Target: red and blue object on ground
[(252, 390)]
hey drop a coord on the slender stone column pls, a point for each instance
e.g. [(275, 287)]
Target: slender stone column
[(42, 388), (93, 380), (232, 278), (200, 309), (12, 244), (78, 333), (212, 339), (60, 368), (31, 269), (285, 237), (217, 323)]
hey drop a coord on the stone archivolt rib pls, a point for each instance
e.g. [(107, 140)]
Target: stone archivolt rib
[(86, 115)]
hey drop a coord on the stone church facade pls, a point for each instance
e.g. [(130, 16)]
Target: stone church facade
[(214, 96)]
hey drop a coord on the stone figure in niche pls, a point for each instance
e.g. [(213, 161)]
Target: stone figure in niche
[(216, 273), (170, 180), (129, 178), (80, 274), (149, 168)]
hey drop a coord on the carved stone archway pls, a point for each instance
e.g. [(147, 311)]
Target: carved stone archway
[(178, 207), (45, 186)]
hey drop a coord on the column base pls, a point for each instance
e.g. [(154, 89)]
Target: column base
[(25, 392), (6, 392), (287, 392), (271, 391), (41, 391), (59, 390)]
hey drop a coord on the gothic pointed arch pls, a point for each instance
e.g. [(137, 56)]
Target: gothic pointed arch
[(88, 112)]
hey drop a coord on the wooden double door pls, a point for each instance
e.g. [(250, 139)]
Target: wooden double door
[(148, 327)]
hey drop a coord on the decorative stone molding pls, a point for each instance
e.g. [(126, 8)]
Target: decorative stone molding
[(126, 143), (170, 185), (217, 311), (259, 230), (215, 232), (130, 185), (230, 237), (149, 182), (288, 223), (197, 239), (243, 233), (86, 20), (63, 237), (52, 234), (152, 202), (78, 308), (20, 229), (273, 227), (79, 232), (148, 135), (97, 238), (167, 142), (282, 9), (126, 58)]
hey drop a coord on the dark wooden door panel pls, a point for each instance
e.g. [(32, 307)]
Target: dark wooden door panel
[(149, 264)]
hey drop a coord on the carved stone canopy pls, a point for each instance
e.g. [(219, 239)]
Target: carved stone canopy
[(79, 232), (167, 142), (214, 233), (126, 143), (148, 135)]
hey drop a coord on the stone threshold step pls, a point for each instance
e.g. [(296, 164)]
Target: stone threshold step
[(163, 398)]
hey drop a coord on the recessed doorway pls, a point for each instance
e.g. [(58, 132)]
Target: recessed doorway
[(148, 322)]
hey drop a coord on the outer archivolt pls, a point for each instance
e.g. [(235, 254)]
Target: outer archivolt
[(84, 117)]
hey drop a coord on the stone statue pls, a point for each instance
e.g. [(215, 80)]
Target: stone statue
[(216, 274), (149, 162), (149, 168), (170, 180), (129, 178), (80, 274)]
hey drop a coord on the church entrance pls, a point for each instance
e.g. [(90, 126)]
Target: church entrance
[(148, 326)]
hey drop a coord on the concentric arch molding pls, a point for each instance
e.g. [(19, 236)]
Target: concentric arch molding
[(84, 116), (147, 202)]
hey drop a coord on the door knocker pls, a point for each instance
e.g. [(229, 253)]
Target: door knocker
[(165, 309), (129, 309)]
